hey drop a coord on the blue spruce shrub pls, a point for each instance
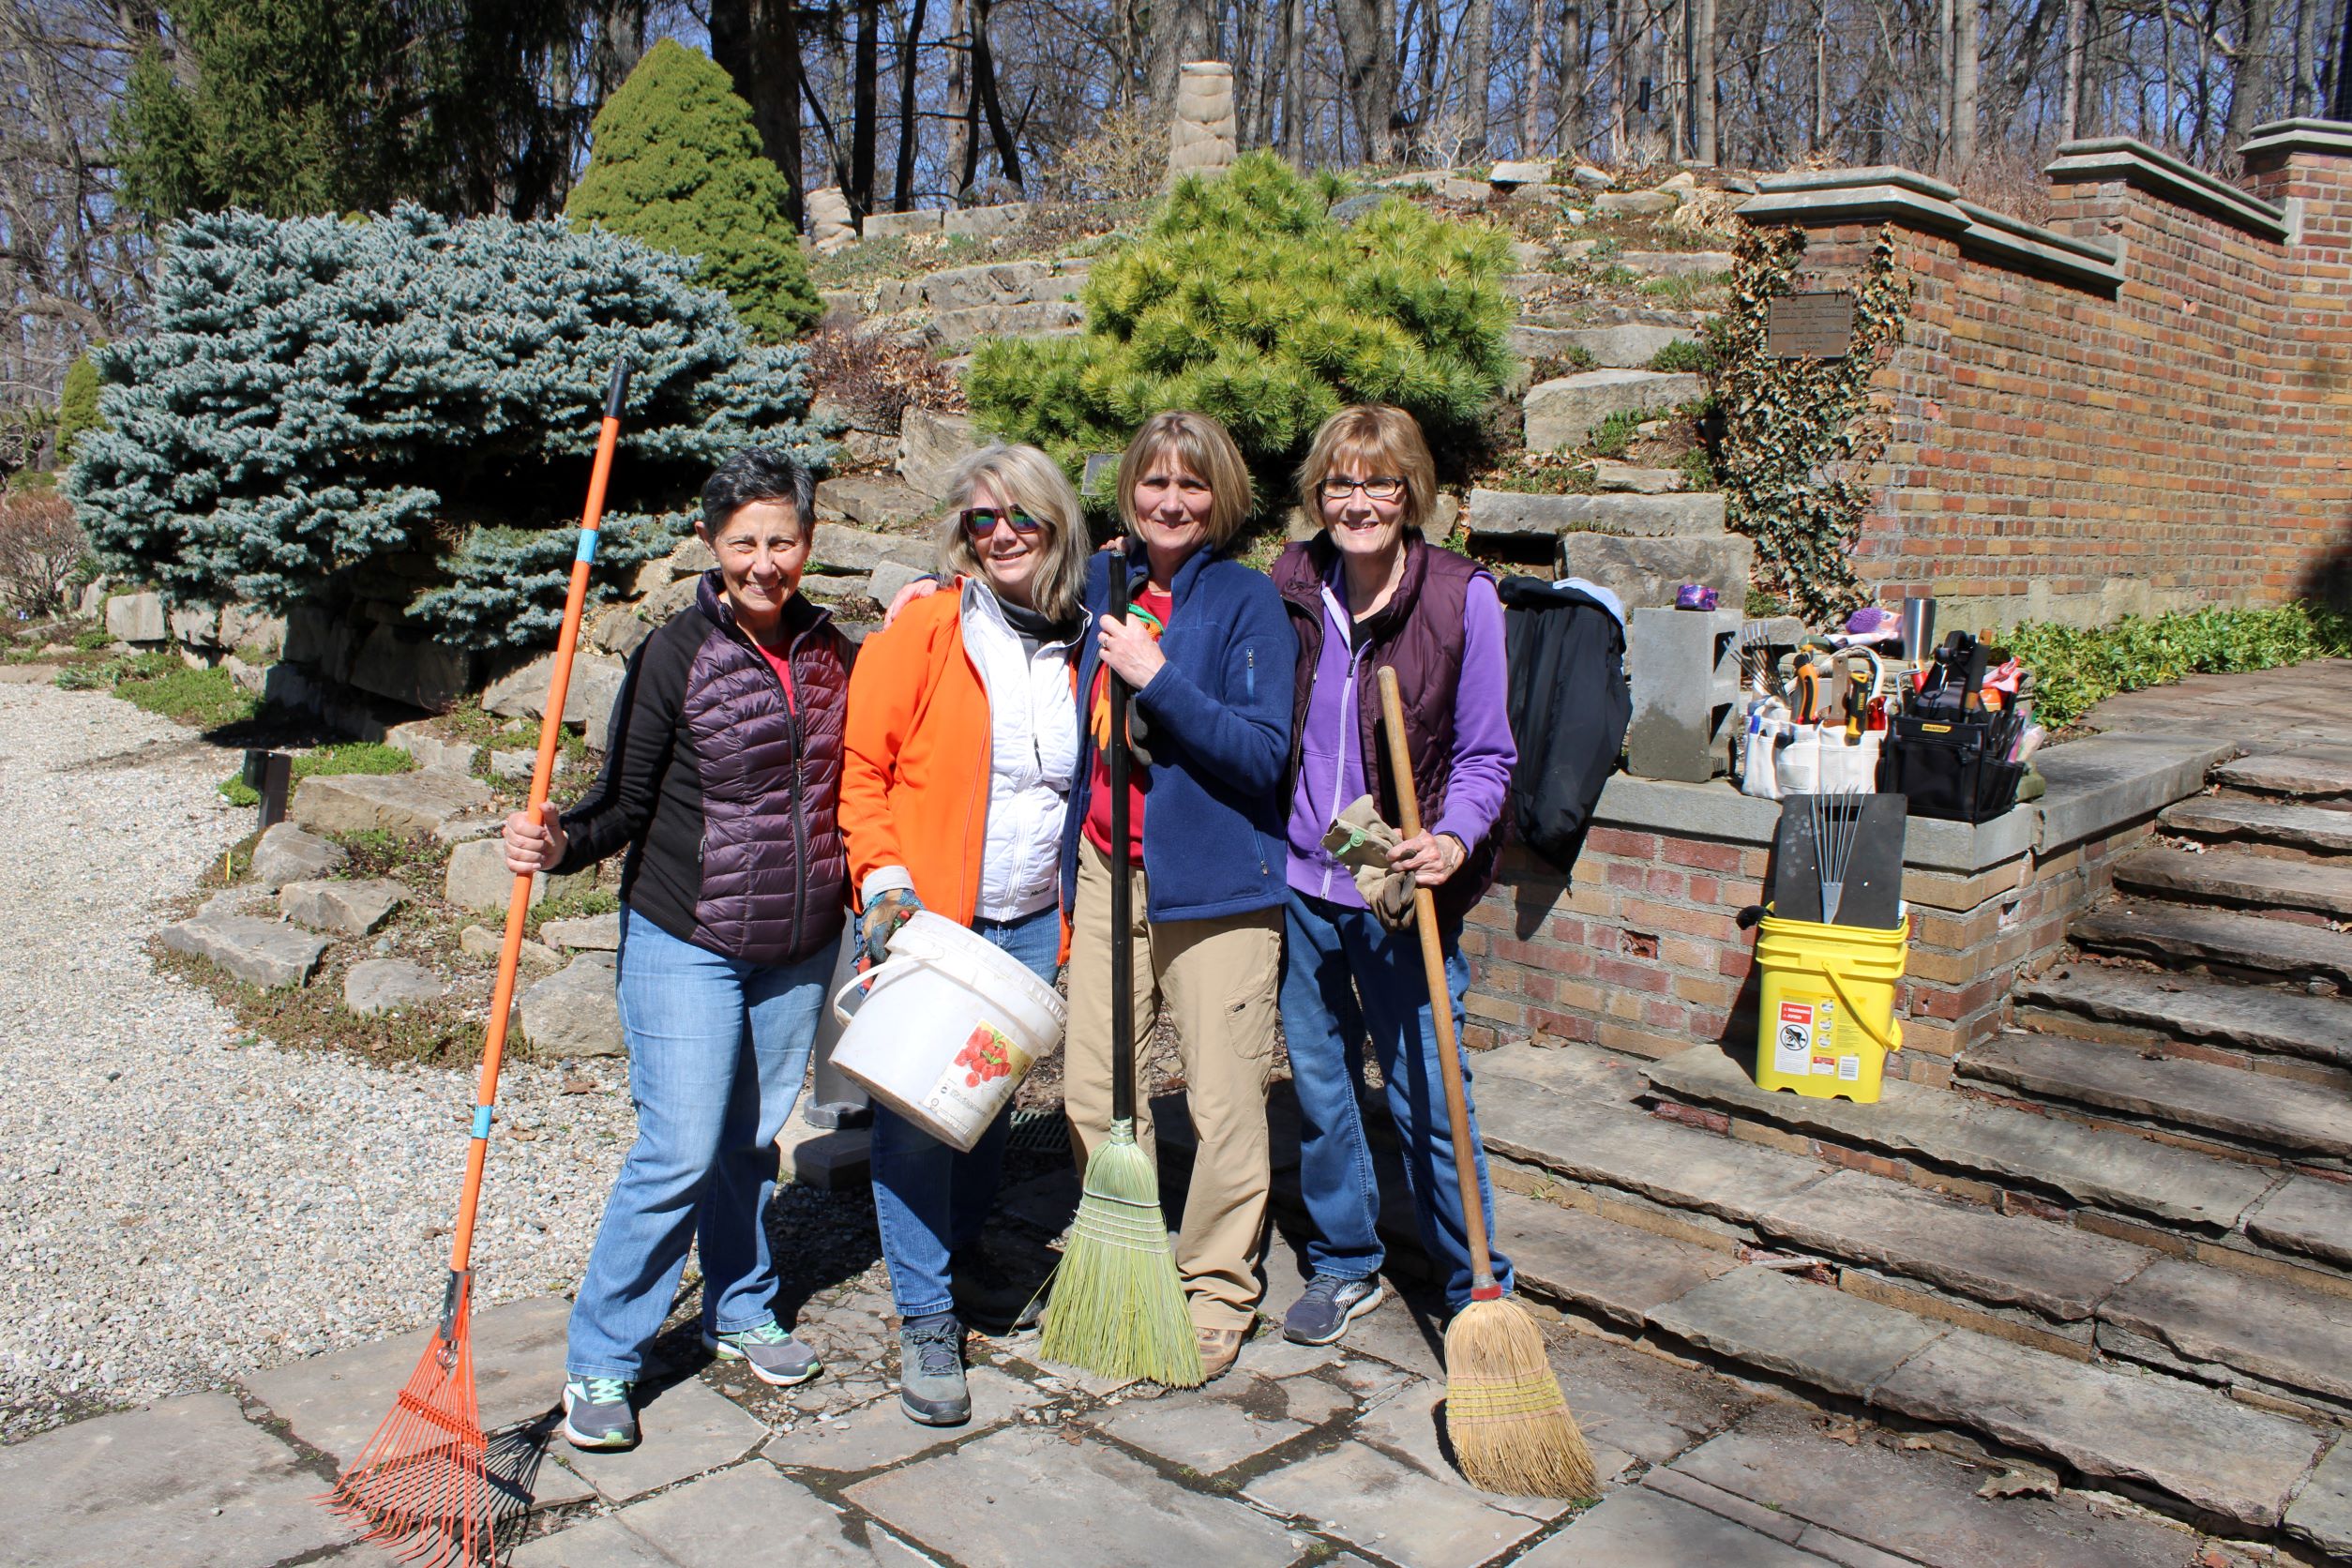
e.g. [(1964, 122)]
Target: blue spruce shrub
[(336, 407)]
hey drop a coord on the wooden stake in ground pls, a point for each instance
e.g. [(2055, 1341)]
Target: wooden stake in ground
[(422, 1485), (1503, 1409)]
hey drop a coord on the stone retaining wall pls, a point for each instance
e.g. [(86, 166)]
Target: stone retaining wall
[(2142, 406)]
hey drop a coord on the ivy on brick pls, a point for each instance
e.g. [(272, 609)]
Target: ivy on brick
[(1799, 435)]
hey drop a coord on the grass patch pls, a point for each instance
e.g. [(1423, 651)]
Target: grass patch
[(1685, 292), (161, 684), (2074, 668), (1683, 355), (1612, 436), (93, 639), (1573, 359), (419, 863), (352, 757), (311, 1018)]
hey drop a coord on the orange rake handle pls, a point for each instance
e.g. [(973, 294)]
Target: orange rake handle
[(518, 901)]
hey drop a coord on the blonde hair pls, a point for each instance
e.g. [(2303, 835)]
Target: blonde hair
[(1386, 439), (1206, 451), (1026, 479)]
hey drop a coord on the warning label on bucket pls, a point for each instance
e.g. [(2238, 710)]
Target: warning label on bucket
[(1792, 1043)]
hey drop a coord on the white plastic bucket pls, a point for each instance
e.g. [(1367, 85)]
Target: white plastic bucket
[(948, 1029)]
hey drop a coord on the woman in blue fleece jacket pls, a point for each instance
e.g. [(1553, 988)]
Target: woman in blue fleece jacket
[(1208, 648)]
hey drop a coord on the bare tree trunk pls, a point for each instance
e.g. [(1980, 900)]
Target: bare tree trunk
[(1367, 43), (1621, 79), (962, 108), (1674, 87), (2251, 73), (864, 108), (1180, 32), (1476, 43), (758, 43), (2341, 108), (2077, 42), (1531, 91), (1819, 139), (984, 83), (1944, 74), (1294, 80), (1964, 77), (2298, 79), (1703, 88), (1573, 66), (910, 127)]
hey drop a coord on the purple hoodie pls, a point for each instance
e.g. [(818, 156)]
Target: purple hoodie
[(1331, 760)]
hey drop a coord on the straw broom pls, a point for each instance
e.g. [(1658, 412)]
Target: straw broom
[(1505, 1414), (423, 1485), (1118, 1304)]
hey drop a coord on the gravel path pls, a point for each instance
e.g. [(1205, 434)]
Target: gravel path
[(180, 1203)]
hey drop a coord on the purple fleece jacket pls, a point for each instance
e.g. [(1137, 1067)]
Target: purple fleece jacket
[(1331, 759)]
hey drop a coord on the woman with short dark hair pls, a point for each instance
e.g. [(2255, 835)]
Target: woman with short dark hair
[(721, 783)]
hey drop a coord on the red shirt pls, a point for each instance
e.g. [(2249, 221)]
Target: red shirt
[(1152, 608), (782, 665)]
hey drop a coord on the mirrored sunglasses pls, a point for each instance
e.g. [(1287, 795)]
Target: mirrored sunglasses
[(981, 521)]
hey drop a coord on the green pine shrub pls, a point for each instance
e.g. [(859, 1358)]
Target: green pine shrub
[(77, 406), (1245, 300), (677, 164), (406, 407)]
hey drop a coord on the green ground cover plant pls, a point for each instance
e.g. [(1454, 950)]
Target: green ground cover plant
[(161, 684), (2074, 668), (350, 756)]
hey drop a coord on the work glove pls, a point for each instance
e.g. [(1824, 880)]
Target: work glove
[(883, 916), (1359, 840)]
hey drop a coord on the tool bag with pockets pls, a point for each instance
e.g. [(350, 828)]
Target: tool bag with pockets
[(1950, 766)]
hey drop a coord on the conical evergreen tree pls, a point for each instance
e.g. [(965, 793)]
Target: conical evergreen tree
[(675, 162)]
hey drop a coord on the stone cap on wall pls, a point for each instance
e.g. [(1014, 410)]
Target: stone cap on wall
[(2160, 174), (2096, 785), (2282, 138), (1884, 193)]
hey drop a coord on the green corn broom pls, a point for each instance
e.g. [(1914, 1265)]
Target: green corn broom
[(1117, 1305)]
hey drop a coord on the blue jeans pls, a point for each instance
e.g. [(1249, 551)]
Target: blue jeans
[(929, 1200), (1344, 976), (717, 1049)]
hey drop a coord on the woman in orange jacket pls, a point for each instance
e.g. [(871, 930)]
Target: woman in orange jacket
[(957, 760)]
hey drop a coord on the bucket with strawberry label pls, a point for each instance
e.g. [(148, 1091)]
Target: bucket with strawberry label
[(947, 1028)]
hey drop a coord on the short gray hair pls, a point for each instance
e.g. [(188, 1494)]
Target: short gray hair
[(758, 474)]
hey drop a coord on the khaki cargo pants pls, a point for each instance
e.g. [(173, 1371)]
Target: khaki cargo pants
[(1219, 979)]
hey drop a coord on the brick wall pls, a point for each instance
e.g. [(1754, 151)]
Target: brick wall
[(2069, 447)]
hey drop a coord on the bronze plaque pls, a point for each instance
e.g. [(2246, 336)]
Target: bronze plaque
[(1809, 326)]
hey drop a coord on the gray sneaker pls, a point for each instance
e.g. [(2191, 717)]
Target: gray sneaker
[(773, 1355), (598, 1414), (1329, 1303), (931, 1373)]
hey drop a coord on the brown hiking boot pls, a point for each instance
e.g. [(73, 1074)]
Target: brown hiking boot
[(1218, 1348)]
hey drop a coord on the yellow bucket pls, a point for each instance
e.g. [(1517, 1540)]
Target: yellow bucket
[(1828, 1011)]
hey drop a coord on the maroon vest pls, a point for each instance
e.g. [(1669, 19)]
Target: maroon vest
[(1418, 633)]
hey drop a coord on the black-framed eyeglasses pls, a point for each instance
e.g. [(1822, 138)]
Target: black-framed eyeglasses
[(981, 521), (1379, 487)]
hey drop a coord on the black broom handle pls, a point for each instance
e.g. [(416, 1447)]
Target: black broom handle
[(1122, 913)]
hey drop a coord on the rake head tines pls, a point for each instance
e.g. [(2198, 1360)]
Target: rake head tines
[(422, 1485)]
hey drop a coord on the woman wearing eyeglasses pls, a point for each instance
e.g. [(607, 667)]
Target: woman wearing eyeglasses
[(1368, 592), (961, 745)]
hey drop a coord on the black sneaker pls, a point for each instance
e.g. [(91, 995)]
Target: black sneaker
[(931, 1372), (1321, 1315), (597, 1413)]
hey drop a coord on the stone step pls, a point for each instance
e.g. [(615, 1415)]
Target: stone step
[(1645, 574), (2236, 877), (1627, 346), (2136, 1005), (1562, 414), (2259, 1112), (1676, 264), (2193, 1450), (2180, 935), (2311, 829), (2263, 1334), (2316, 772), (1649, 516)]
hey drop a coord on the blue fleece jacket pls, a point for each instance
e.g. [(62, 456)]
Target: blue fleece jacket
[(1217, 723)]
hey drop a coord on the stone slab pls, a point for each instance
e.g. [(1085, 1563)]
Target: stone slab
[(594, 933), (1676, 264), (2180, 1006), (2315, 829), (352, 909), (266, 953), (1566, 1067), (185, 1483), (1627, 346), (844, 548), (1390, 1508), (1515, 512), (870, 499), (979, 221), (878, 1434), (1628, 1399), (374, 985), (958, 330), (1809, 1333), (1634, 203), (1411, 1426), (2298, 1337), (2184, 934), (1208, 1430), (1676, 664), (930, 443), (2093, 1166), (2100, 781), (597, 1543), (575, 1012), (1641, 1527), (136, 618), (880, 225), (1645, 574), (755, 1514), (588, 695), (2322, 1512), (2002, 1259), (1633, 479), (1612, 1271), (962, 288), (476, 877), (1021, 1497), (334, 1402), (1923, 1506), (289, 854), (2192, 1444), (2275, 1114), (2311, 772), (687, 1428), (2309, 1216), (1667, 1164), (412, 805), (2236, 877), (1563, 412)]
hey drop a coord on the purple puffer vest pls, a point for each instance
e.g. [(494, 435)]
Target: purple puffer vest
[(1419, 633), (775, 872)]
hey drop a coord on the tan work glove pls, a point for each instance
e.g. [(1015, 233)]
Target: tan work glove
[(1359, 840)]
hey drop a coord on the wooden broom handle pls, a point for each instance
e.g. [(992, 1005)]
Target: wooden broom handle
[(1400, 765)]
